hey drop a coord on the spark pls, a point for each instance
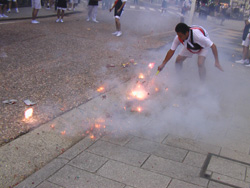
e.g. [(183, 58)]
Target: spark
[(100, 89), (151, 65), (141, 76)]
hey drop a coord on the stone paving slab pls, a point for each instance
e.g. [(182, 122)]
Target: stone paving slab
[(157, 149), (180, 184), (195, 159), (192, 145), (77, 148), (44, 173), (248, 175), (88, 162), (229, 180), (117, 138), (176, 170), (116, 152), (70, 176), (133, 176), (227, 168), (47, 184), (217, 185), (235, 155)]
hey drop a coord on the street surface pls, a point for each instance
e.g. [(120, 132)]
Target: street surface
[(187, 134)]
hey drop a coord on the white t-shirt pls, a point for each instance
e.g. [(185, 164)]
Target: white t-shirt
[(198, 37)]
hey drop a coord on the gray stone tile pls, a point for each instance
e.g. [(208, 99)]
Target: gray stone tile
[(213, 184), (42, 174), (118, 139), (236, 155), (47, 184), (176, 170), (88, 161), (227, 168), (160, 150), (230, 181), (248, 175), (191, 145), (195, 159), (180, 184), (77, 148), (133, 176), (118, 153), (74, 116), (69, 177)]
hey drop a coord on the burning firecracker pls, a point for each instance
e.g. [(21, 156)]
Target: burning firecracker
[(28, 113)]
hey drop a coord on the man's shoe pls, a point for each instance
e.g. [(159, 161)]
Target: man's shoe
[(115, 33), (17, 11), (248, 65), (58, 20), (240, 61), (8, 10), (246, 61), (61, 20), (1, 16), (35, 22), (95, 21), (5, 16), (119, 34), (87, 19)]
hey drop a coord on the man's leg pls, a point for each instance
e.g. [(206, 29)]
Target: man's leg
[(201, 67), (34, 13), (117, 24), (178, 63)]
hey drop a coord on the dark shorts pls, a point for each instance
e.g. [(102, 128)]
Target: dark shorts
[(118, 13)]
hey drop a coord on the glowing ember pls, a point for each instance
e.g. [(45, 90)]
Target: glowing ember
[(151, 65), (141, 76), (139, 94), (92, 136), (139, 109), (156, 89), (100, 89), (52, 126), (63, 132), (28, 113), (167, 89)]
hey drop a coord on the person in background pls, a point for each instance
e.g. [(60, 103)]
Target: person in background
[(92, 10), (164, 6), (245, 44), (3, 6), (118, 5), (10, 3), (61, 7), (36, 5), (195, 40)]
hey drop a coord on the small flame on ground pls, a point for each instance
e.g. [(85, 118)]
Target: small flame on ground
[(167, 89), (156, 89), (63, 132), (151, 65), (100, 89), (139, 109), (141, 76), (52, 126), (28, 113)]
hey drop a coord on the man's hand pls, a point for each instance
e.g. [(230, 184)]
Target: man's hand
[(110, 9), (217, 64), (161, 67)]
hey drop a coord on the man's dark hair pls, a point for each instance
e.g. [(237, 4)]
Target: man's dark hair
[(182, 28)]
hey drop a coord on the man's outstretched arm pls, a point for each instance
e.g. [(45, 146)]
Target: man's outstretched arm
[(167, 58), (216, 58)]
